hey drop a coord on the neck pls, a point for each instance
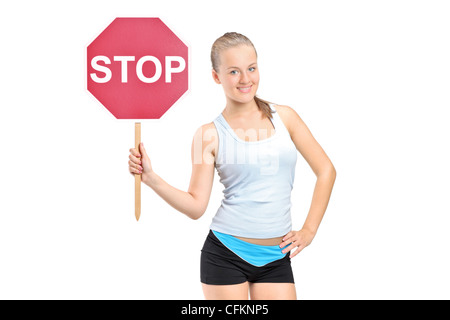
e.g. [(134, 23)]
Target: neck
[(234, 108)]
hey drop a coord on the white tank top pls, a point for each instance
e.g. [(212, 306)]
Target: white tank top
[(258, 177)]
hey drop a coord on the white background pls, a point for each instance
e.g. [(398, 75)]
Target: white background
[(370, 79)]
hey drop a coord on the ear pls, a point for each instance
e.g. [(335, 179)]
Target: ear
[(215, 76)]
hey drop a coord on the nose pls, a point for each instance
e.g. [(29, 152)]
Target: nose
[(244, 78)]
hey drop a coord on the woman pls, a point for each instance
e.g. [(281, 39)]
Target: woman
[(253, 145)]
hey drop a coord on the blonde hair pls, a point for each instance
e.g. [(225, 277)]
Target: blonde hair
[(230, 40)]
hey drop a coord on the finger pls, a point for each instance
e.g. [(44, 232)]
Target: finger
[(134, 170), (289, 238), (297, 251), (135, 166), (289, 235), (291, 247), (135, 159), (286, 243), (142, 149), (135, 153), (133, 173)]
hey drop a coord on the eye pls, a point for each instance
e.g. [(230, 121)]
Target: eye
[(251, 69), (234, 72)]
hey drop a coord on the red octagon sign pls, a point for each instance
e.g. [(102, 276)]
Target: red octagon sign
[(137, 68)]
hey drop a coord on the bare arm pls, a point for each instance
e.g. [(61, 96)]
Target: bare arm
[(194, 202), (322, 168)]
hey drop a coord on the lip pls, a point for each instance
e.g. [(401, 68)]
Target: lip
[(245, 89)]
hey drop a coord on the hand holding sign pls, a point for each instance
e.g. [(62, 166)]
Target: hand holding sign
[(140, 162), (139, 165), (137, 68)]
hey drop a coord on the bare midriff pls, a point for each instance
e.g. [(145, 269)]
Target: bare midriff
[(263, 242)]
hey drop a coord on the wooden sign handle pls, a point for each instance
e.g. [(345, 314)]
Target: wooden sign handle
[(137, 177)]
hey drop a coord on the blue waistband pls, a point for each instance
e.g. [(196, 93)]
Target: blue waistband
[(254, 254)]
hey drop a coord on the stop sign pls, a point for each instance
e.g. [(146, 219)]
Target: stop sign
[(137, 68)]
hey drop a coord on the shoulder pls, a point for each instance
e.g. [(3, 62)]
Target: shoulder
[(284, 110), (206, 139), (289, 116), (206, 132)]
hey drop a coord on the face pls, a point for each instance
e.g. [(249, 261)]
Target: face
[(238, 73)]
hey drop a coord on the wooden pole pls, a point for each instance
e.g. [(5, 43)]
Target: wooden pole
[(137, 177)]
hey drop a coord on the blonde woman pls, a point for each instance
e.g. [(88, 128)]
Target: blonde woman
[(253, 146)]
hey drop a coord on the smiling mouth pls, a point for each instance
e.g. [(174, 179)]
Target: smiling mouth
[(246, 89)]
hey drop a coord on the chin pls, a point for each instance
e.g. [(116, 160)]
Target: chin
[(244, 98)]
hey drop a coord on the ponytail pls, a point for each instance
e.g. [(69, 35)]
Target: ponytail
[(264, 106)]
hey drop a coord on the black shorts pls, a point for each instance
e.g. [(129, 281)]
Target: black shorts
[(220, 266)]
